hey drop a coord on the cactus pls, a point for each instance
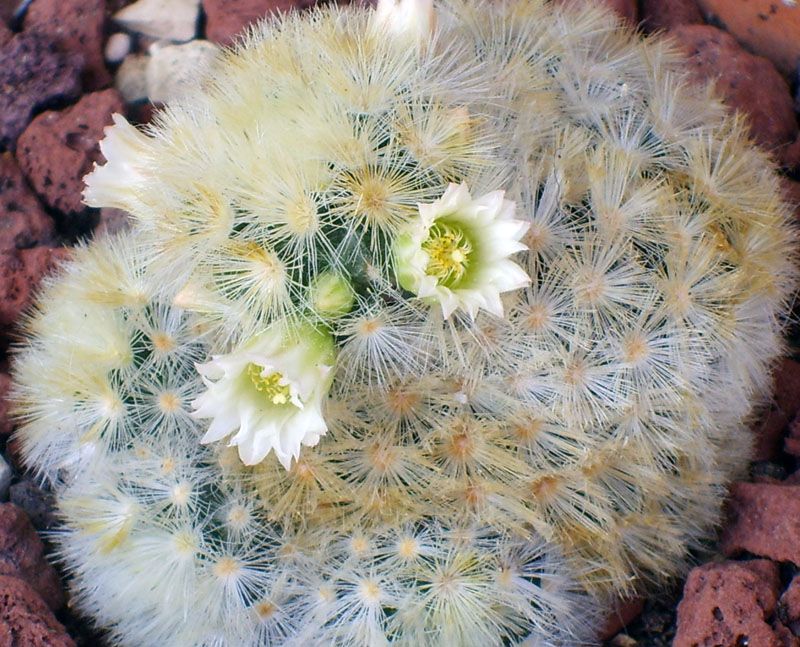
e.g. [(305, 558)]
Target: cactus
[(422, 335)]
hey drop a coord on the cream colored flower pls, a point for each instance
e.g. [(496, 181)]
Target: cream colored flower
[(413, 20), (123, 177), (457, 252), (269, 394)]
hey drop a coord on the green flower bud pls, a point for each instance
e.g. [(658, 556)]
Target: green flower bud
[(331, 295)]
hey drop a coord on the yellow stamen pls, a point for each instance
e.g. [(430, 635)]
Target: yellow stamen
[(269, 385), (448, 249)]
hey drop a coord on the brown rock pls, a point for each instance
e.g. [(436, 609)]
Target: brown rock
[(59, 148), (5, 33), (39, 76), (789, 605), (20, 273), (21, 555), (769, 430), (791, 192), (748, 83), (25, 620), (787, 387), (666, 14), (627, 9), (764, 520), (728, 605), (74, 26), (6, 425), (226, 19), (791, 444), (23, 222), (623, 612), (769, 28)]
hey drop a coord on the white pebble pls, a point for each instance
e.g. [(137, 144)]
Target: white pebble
[(117, 47)]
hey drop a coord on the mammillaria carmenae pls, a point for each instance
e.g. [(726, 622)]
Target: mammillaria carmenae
[(477, 313)]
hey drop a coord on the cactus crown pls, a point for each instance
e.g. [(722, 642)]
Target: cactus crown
[(480, 322)]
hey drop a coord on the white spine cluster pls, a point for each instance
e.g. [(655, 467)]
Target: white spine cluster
[(408, 345)]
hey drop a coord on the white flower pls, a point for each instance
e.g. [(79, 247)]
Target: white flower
[(413, 20), (457, 253), (270, 393), (119, 182)]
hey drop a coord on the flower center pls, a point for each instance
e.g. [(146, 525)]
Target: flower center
[(448, 249), (277, 393)]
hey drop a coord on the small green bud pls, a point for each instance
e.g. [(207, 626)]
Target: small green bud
[(331, 294)]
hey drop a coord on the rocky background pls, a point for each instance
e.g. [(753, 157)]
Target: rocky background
[(67, 65)]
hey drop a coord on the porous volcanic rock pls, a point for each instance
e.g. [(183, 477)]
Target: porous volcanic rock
[(666, 14), (769, 430), (60, 147), (748, 83), (20, 273), (21, 555), (39, 76), (74, 26), (23, 222), (730, 605), (25, 620), (627, 9), (226, 19), (789, 606), (764, 519), (5, 33), (770, 28)]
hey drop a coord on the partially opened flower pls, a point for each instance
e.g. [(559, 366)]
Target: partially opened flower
[(457, 252), (122, 180), (269, 392)]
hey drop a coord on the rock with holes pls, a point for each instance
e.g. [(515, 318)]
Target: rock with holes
[(38, 76), (60, 147), (21, 555), (770, 28), (666, 14), (731, 605), (25, 620), (748, 83), (765, 521), (74, 26), (23, 222)]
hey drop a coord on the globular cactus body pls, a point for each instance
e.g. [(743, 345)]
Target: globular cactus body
[(481, 314)]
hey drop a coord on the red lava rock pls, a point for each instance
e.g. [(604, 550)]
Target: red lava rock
[(789, 605), (666, 14), (21, 555), (625, 8), (5, 33), (74, 26), (6, 425), (764, 520), (730, 605), (20, 273), (791, 444), (59, 148), (748, 83), (25, 620), (23, 222), (39, 76), (622, 614), (769, 28), (226, 19), (787, 386), (769, 431)]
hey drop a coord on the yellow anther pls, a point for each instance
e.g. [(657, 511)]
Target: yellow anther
[(448, 249), (270, 385)]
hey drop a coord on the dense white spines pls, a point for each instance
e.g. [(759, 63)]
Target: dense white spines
[(474, 466)]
